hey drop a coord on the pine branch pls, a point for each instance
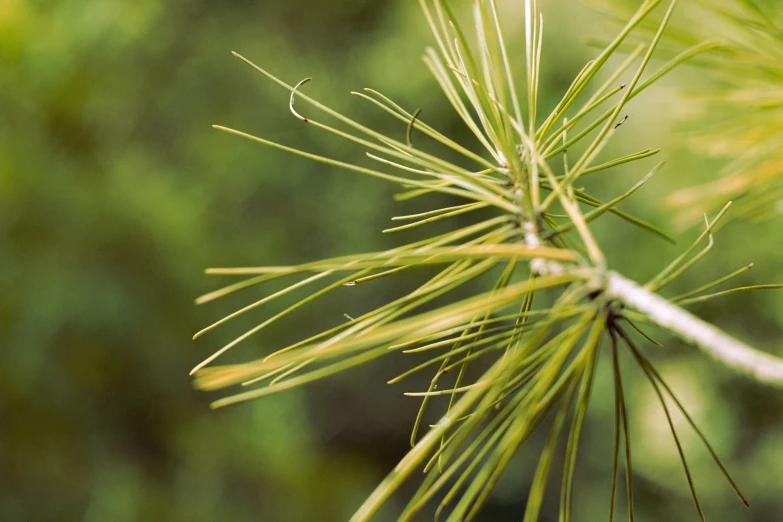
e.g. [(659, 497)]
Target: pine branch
[(738, 356), (544, 357)]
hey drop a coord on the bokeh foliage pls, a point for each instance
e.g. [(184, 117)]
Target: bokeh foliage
[(736, 114), (114, 191)]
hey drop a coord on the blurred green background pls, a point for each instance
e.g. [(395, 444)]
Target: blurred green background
[(115, 193)]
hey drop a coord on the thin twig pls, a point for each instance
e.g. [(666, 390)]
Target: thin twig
[(763, 367)]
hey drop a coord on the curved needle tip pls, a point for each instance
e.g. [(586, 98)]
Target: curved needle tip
[(291, 101)]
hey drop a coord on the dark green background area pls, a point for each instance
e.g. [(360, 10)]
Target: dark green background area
[(115, 194)]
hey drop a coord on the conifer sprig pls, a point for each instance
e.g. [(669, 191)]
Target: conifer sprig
[(506, 364)]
